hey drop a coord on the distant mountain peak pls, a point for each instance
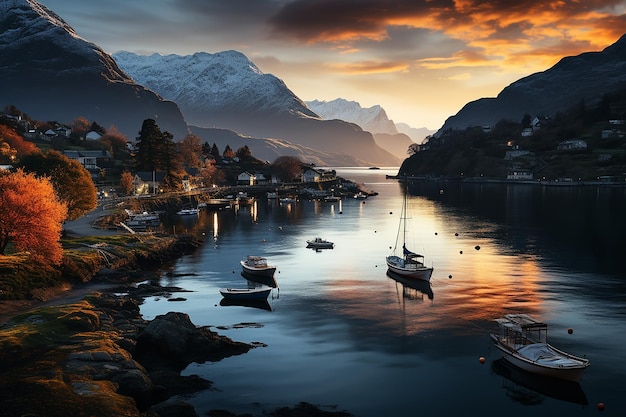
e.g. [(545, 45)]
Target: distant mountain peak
[(372, 119)]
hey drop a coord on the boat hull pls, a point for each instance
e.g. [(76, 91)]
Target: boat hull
[(397, 265), (258, 266), (569, 372), (245, 293)]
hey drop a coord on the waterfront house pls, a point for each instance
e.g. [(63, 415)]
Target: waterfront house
[(572, 145), (519, 175), (311, 175)]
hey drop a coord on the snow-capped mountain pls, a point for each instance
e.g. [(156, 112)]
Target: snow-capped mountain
[(49, 72), (373, 119), (228, 78), (226, 90)]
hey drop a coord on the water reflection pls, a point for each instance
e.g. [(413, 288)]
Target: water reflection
[(412, 289), (530, 389), (260, 304), (257, 279)]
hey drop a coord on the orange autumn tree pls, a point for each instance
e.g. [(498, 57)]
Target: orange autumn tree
[(32, 216)]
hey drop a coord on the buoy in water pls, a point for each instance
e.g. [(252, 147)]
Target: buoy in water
[(477, 247), (570, 330), (481, 359), (456, 234), (449, 276), (461, 252), (601, 406)]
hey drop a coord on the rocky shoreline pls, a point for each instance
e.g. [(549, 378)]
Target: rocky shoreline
[(99, 357)]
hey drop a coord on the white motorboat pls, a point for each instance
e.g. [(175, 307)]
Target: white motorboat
[(402, 261), (523, 342), (257, 265), (319, 243)]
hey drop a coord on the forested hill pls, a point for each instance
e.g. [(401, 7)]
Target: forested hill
[(551, 148)]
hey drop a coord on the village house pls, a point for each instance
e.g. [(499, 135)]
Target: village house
[(572, 145), (246, 178), (92, 135), (311, 175), (520, 175), (147, 182)]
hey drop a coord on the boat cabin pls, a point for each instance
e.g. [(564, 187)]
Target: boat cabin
[(518, 330)]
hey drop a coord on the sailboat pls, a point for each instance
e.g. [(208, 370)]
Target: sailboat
[(407, 263)]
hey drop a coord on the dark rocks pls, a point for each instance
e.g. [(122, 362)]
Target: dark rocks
[(172, 340)]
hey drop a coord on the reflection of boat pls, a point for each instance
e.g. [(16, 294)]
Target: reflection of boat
[(269, 281), (257, 265), (287, 200), (408, 264), (255, 293), (243, 199), (188, 212), (523, 342), (332, 198), (524, 386), (412, 288), (260, 304), (319, 243)]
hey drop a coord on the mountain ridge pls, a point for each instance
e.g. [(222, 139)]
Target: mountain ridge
[(226, 90), (51, 73), (584, 77)]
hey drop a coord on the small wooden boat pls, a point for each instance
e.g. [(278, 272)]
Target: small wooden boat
[(257, 265), (188, 212), (257, 293), (319, 243), (523, 342), (525, 386)]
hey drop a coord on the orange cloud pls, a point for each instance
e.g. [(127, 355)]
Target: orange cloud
[(372, 67), (499, 31)]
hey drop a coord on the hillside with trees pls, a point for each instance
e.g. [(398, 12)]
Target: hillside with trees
[(587, 142)]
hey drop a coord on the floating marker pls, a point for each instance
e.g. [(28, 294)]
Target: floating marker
[(481, 359), (570, 330), (477, 247), (601, 406), (449, 276)]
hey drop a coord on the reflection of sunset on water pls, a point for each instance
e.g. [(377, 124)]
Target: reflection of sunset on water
[(474, 278)]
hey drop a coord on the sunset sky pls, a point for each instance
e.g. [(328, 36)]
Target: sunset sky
[(421, 60)]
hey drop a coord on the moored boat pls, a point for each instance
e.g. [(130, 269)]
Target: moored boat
[(257, 265), (188, 212), (407, 263), (257, 293), (319, 243), (523, 342)]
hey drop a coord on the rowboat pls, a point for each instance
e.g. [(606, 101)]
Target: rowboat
[(257, 293), (523, 342)]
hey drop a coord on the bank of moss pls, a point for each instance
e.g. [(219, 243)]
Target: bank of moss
[(21, 277)]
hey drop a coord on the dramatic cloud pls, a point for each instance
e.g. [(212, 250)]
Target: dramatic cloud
[(386, 52)]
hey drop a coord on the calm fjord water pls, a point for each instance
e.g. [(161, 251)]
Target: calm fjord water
[(343, 335)]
